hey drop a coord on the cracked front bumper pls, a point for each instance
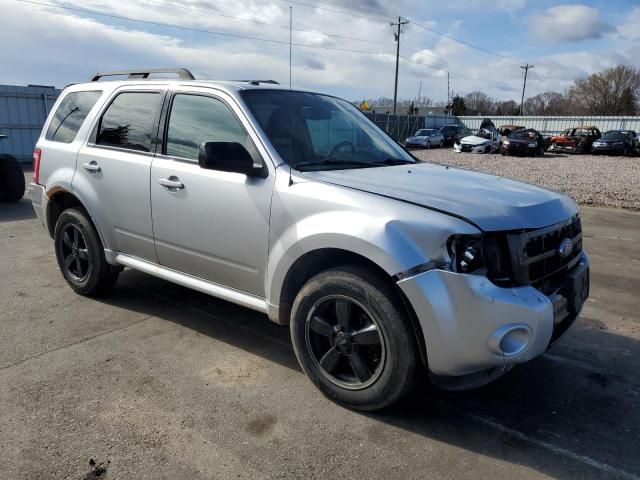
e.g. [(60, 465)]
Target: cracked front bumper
[(470, 324)]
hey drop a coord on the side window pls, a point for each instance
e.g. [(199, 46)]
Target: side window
[(197, 119), (128, 122), (70, 115)]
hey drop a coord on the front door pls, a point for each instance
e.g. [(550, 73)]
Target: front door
[(207, 223)]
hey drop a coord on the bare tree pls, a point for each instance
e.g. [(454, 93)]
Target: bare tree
[(614, 91), (547, 103), (479, 103), (506, 108)]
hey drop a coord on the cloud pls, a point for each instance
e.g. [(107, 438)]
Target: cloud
[(629, 28), (504, 5), (568, 23)]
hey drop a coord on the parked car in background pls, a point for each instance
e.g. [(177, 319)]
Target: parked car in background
[(451, 133), (575, 140), (11, 178), (425, 138), (486, 140), (523, 142), (617, 142), (381, 266)]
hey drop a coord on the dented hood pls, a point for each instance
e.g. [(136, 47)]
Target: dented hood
[(490, 202)]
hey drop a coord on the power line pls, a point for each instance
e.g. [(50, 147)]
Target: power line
[(201, 30), (467, 44), (259, 22), (342, 12)]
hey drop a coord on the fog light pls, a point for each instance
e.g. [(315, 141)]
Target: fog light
[(510, 340)]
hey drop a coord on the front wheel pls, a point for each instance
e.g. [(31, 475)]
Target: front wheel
[(428, 145), (80, 254), (353, 339), (441, 143)]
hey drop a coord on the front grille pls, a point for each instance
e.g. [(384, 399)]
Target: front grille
[(535, 256), (465, 147)]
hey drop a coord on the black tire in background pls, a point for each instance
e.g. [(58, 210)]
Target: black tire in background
[(80, 254), (393, 375), (11, 179)]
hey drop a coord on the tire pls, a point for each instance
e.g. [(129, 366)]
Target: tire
[(625, 152), (441, 144), (11, 179), (373, 306), (428, 145), (80, 254)]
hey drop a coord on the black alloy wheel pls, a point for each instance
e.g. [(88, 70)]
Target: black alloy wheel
[(345, 342), (74, 253)]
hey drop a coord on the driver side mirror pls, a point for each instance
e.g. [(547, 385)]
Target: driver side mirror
[(229, 157)]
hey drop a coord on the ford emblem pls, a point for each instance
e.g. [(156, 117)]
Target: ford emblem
[(565, 248)]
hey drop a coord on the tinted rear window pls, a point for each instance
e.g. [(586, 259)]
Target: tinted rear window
[(128, 122), (70, 115)]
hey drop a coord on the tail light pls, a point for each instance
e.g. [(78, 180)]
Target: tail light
[(37, 154)]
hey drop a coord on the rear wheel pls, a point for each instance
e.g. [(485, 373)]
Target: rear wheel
[(11, 179), (428, 145), (80, 254), (353, 339)]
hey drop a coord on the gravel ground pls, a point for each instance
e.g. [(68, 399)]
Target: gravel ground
[(590, 180)]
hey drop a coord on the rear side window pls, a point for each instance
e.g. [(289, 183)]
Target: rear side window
[(128, 122), (70, 115), (197, 119)]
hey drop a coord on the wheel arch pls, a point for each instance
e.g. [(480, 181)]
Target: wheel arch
[(316, 261), (59, 200)]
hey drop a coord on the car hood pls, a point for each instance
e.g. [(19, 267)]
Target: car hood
[(490, 202), (474, 140), (413, 139), (561, 139), (519, 141)]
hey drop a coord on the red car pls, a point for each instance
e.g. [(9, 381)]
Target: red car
[(575, 140)]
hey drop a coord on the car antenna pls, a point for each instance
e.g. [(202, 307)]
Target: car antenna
[(290, 116)]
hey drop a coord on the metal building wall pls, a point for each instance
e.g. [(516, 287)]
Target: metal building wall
[(555, 125), (23, 111)]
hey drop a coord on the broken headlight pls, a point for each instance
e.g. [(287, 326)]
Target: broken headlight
[(466, 253), (486, 254)]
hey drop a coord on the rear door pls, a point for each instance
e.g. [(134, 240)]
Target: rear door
[(215, 225), (114, 167)]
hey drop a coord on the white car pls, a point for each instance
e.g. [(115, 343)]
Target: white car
[(425, 138), (487, 140)]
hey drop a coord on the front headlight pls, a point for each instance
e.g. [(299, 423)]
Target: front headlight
[(506, 142), (486, 254), (532, 145), (466, 253)]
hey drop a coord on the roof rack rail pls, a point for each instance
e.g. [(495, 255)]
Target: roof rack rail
[(182, 73), (258, 82)]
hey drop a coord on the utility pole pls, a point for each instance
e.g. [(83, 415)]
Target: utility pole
[(526, 70), (397, 37), (448, 95)]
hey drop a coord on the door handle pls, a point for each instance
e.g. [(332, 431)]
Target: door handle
[(166, 182), (92, 166)]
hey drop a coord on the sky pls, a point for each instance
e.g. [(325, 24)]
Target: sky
[(345, 48)]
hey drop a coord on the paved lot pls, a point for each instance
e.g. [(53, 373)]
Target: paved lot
[(591, 180), (157, 381)]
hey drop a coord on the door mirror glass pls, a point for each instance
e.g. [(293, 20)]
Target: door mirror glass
[(228, 157)]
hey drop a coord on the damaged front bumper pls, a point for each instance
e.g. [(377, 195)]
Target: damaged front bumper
[(468, 148), (470, 324)]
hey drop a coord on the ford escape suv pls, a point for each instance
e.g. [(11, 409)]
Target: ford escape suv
[(294, 204)]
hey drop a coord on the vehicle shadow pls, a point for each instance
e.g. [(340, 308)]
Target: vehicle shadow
[(20, 210), (572, 413)]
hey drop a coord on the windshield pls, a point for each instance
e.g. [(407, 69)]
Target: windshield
[(522, 134), (424, 133), (319, 132), (614, 136)]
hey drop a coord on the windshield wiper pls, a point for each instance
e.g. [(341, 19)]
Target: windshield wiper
[(330, 161), (394, 161)]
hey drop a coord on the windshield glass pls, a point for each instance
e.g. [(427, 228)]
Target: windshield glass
[(614, 136), (522, 135), (319, 132), (424, 133)]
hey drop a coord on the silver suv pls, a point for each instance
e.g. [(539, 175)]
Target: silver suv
[(294, 204)]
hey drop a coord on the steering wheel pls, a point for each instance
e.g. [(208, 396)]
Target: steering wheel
[(338, 146)]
